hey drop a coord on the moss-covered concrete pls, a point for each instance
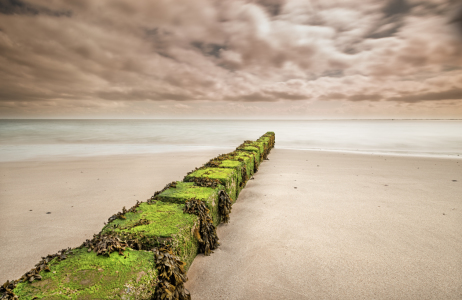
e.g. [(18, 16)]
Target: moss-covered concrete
[(85, 275), (248, 158), (256, 148), (241, 170), (266, 144), (242, 161), (227, 177), (184, 191), (167, 224), (268, 138)]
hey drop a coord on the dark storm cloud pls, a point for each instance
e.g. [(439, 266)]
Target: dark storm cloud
[(140, 95), (17, 7), (209, 49), (359, 97), (453, 94), (289, 96), (457, 20), (273, 7), (232, 50), (254, 97), (355, 97), (396, 7)]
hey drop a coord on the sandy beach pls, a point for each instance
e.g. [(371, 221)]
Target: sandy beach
[(80, 194), (311, 225), (324, 225)]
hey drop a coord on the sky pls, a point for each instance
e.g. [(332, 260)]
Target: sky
[(282, 59)]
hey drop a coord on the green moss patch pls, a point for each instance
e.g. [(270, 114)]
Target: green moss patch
[(256, 148), (272, 138), (241, 170), (184, 191), (227, 177), (85, 275), (158, 223), (248, 158), (266, 145)]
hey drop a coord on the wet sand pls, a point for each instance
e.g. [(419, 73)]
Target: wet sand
[(80, 194), (320, 225)]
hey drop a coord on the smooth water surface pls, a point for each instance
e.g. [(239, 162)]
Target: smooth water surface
[(30, 139)]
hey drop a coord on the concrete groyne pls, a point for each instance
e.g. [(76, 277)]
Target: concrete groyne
[(144, 252)]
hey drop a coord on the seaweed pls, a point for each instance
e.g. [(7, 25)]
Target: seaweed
[(228, 177), (204, 181), (172, 275), (245, 177), (207, 233), (105, 244), (121, 215), (250, 146), (6, 290), (218, 162), (268, 142), (111, 241), (169, 185), (224, 206)]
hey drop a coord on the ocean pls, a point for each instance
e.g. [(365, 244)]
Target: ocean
[(38, 139)]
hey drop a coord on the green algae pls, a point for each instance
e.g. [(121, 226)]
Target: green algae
[(268, 142), (167, 224), (253, 147), (248, 158), (227, 177), (241, 169), (86, 275), (271, 139), (266, 146), (184, 191)]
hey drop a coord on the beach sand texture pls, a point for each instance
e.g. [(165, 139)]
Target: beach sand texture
[(311, 225), (324, 225)]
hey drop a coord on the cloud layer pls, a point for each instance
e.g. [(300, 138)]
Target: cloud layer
[(91, 53)]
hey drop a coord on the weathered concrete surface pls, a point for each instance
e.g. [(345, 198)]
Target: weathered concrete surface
[(320, 225)]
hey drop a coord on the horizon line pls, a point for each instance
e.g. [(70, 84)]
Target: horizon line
[(249, 119)]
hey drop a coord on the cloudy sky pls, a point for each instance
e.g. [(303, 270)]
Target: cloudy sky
[(230, 59)]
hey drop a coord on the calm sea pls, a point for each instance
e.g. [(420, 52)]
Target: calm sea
[(32, 139)]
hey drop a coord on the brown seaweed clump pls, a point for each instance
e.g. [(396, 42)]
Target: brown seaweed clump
[(105, 244), (6, 290), (245, 178), (207, 233), (108, 242), (224, 206), (166, 187), (34, 274), (172, 275), (121, 215), (205, 182)]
